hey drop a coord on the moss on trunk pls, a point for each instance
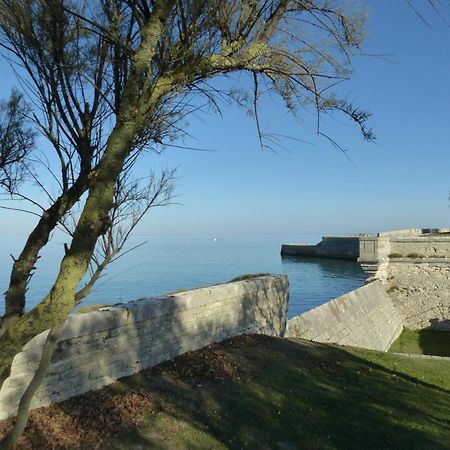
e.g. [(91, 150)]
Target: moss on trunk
[(25, 263)]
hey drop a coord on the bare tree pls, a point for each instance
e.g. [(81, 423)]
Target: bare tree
[(110, 79)]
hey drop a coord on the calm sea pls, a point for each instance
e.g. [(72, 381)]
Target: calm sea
[(165, 264)]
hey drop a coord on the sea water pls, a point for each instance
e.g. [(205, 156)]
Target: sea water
[(165, 264)]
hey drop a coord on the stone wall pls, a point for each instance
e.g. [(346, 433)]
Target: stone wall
[(415, 270), (420, 247), (363, 318), (299, 250), (375, 252), (345, 247), (97, 348), (420, 290)]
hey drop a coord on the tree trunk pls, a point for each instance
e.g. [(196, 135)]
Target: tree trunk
[(25, 263), (23, 266), (25, 402), (55, 307), (132, 113)]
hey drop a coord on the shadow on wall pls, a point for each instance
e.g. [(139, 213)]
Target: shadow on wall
[(435, 340), (270, 312), (97, 348), (442, 325), (160, 330)]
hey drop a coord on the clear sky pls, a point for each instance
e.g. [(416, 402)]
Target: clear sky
[(401, 181)]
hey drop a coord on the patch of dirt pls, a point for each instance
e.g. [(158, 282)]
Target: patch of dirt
[(209, 363), (82, 422), (246, 340), (86, 421)]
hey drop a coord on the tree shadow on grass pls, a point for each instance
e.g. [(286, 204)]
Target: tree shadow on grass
[(274, 394), (305, 396), (99, 347)]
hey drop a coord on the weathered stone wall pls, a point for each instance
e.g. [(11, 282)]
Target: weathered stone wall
[(345, 247), (415, 270), (97, 348), (363, 318), (420, 247), (420, 290)]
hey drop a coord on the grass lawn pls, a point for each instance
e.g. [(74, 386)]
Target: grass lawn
[(296, 395), (256, 392), (426, 342)]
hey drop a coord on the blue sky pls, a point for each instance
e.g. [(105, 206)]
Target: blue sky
[(401, 181)]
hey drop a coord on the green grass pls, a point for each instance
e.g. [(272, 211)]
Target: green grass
[(424, 342), (295, 395), (89, 308), (395, 255), (248, 276)]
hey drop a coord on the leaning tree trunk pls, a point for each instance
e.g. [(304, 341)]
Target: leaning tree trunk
[(25, 402), (25, 263), (135, 107), (131, 102), (55, 307)]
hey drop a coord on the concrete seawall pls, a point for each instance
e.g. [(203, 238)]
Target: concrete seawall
[(363, 318), (413, 265), (349, 247), (346, 247), (97, 348)]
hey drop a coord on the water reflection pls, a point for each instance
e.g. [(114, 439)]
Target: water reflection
[(314, 281)]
